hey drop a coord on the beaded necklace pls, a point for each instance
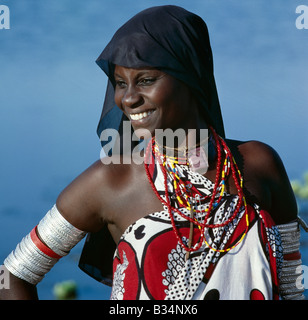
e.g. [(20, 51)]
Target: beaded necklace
[(183, 192)]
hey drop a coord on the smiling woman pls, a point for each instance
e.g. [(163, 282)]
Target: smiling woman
[(162, 229)]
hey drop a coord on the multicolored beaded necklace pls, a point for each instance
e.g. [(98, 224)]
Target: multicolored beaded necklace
[(184, 195)]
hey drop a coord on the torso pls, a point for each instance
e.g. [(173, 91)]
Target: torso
[(135, 275), (133, 197)]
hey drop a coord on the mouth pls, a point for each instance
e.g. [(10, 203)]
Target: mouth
[(141, 115)]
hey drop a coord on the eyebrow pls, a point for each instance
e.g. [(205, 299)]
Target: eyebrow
[(140, 73)]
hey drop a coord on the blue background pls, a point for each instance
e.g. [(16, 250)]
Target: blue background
[(51, 94)]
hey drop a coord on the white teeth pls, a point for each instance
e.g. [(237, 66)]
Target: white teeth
[(139, 116)]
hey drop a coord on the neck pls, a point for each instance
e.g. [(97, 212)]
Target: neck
[(198, 150), (195, 132)]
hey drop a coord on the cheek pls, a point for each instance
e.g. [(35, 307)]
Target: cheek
[(175, 101), (165, 99)]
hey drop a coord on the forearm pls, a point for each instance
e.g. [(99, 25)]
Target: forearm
[(17, 289)]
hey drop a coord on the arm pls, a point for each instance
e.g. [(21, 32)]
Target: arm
[(283, 203), (38, 252), (267, 181), (283, 210), (77, 209)]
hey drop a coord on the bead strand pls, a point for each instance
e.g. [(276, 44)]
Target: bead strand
[(222, 173)]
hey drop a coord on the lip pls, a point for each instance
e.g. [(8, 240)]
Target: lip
[(141, 117)]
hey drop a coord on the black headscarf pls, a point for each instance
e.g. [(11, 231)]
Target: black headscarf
[(175, 41)]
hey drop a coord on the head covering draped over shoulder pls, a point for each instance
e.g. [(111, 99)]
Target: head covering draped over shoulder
[(175, 41)]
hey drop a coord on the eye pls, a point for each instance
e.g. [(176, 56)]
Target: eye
[(147, 81), (120, 83)]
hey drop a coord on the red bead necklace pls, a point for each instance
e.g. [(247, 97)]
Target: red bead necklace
[(180, 187)]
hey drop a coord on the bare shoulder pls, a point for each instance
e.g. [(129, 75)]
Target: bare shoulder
[(84, 201), (267, 177), (261, 157), (76, 203)]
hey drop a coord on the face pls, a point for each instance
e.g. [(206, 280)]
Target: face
[(152, 99)]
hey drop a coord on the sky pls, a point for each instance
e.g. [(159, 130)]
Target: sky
[(52, 91)]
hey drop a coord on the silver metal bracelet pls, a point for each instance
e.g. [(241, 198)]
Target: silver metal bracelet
[(290, 286), (28, 262), (58, 234)]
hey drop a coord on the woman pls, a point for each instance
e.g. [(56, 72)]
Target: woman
[(212, 220)]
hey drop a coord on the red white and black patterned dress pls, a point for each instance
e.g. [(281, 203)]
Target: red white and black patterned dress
[(150, 263)]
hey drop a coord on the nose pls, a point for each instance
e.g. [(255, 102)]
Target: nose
[(131, 97)]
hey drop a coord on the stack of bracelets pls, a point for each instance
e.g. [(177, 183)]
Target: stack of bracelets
[(35, 255), (290, 284)]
